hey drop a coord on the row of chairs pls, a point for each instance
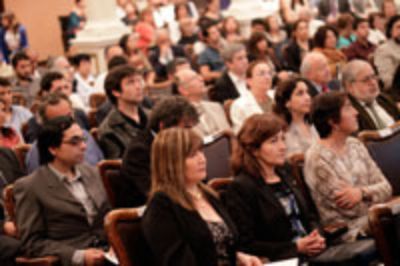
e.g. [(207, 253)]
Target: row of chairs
[(123, 225)]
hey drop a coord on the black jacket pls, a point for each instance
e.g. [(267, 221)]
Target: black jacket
[(365, 122), (160, 68), (263, 226), (179, 237), (223, 89), (292, 55), (135, 171)]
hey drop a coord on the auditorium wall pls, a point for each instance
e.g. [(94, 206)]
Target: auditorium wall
[(40, 17)]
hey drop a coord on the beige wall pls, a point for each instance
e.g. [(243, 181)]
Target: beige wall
[(40, 17)]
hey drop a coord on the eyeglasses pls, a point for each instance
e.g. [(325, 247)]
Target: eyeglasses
[(264, 73), (76, 140), (368, 78)]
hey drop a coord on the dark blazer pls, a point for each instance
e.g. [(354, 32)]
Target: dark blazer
[(159, 68), (264, 227), (116, 132), (179, 237), (365, 122), (51, 221), (324, 8), (223, 89), (333, 85), (135, 171)]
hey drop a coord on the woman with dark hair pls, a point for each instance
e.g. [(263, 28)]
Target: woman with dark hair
[(269, 211), (345, 28), (325, 40), (9, 137), (184, 222), (13, 36), (293, 104), (258, 49), (343, 179), (298, 46), (275, 35), (231, 30)]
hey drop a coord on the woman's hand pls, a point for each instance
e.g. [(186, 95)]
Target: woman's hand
[(244, 259), (311, 245)]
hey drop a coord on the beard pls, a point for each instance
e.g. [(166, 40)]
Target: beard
[(397, 39)]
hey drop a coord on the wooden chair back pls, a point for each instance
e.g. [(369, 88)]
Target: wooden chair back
[(21, 151), (384, 221), (124, 232), (110, 172), (97, 99)]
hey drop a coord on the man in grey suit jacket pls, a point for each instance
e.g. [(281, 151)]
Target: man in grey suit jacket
[(61, 206), (212, 117)]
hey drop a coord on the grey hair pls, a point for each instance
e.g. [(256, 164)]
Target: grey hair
[(351, 70), (230, 50), (306, 64)]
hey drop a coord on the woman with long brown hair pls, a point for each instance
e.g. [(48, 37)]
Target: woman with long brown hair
[(13, 35), (184, 223)]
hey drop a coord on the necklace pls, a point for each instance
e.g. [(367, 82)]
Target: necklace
[(197, 195)]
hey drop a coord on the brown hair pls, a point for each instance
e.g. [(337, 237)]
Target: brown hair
[(249, 72), (169, 151), (255, 130)]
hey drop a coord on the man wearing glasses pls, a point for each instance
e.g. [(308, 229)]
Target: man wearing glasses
[(376, 111), (61, 206)]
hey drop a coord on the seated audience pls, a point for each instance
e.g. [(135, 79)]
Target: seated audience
[(53, 106), (195, 228), (387, 55), (275, 35), (145, 28), (13, 37), (110, 51), (9, 137), (16, 115), (57, 82), (232, 82), (258, 49), (268, 210), (376, 34), (24, 82), (325, 40), (361, 48), (135, 172), (210, 61), (389, 9), (345, 28), (293, 104), (77, 18), (231, 30), (259, 80), (343, 179), (298, 46), (212, 118), (61, 105), (375, 109), (163, 53), (61, 206), (124, 88), (290, 9), (315, 69), (83, 78), (10, 170)]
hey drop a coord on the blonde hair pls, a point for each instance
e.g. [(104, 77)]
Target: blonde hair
[(169, 151)]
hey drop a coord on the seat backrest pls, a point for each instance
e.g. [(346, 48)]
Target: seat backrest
[(21, 151), (384, 147), (97, 99), (110, 172), (125, 235), (217, 150), (296, 162), (384, 221)]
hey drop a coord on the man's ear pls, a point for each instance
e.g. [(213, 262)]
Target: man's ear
[(53, 151), (116, 93)]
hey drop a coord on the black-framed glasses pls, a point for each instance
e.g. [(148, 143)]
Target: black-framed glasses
[(76, 140)]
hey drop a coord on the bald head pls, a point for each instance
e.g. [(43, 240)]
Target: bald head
[(190, 84), (315, 68)]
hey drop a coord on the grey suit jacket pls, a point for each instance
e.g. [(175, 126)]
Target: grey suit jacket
[(212, 118), (51, 221)]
